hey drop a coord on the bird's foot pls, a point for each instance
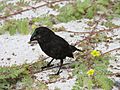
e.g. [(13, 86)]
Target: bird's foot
[(47, 66), (58, 73)]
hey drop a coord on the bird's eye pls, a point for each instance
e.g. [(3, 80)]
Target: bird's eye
[(37, 31)]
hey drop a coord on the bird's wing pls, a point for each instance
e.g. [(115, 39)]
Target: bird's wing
[(57, 48)]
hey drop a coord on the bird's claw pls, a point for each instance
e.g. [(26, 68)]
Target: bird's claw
[(58, 73), (47, 66)]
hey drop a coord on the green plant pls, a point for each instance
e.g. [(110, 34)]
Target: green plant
[(98, 78), (89, 9), (9, 7), (10, 76), (22, 26), (16, 26), (91, 70), (24, 74), (44, 20), (77, 10)]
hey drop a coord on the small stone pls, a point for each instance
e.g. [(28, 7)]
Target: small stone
[(2, 59), (118, 65), (8, 58), (116, 60), (118, 75), (71, 35), (111, 66), (116, 68), (63, 80), (14, 54), (117, 83), (33, 49)]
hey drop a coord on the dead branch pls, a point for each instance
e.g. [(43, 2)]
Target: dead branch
[(31, 8), (111, 50), (114, 74), (104, 30)]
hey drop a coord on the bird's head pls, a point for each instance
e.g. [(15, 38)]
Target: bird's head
[(40, 32)]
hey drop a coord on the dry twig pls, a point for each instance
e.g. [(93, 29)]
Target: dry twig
[(31, 8)]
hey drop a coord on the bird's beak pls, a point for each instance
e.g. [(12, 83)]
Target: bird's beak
[(33, 37)]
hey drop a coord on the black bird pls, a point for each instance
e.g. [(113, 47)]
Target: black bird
[(53, 45)]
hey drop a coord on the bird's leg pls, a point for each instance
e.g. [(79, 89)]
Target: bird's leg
[(48, 65), (61, 63)]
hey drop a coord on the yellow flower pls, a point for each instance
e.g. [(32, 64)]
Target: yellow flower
[(95, 53), (90, 72), (34, 26)]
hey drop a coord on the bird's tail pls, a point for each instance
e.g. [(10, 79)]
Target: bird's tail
[(73, 48)]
